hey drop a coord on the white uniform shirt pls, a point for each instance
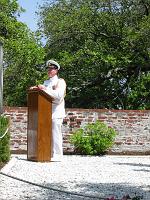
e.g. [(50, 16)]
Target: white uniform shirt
[(58, 105)]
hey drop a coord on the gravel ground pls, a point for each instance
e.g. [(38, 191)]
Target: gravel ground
[(75, 178)]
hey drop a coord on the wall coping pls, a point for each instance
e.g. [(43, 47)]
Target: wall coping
[(84, 109)]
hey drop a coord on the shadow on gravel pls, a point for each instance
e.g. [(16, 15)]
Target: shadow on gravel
[(140, 166), (134, 164), (85, 190), (91, 191)]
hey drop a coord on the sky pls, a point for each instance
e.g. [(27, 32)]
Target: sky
[(29, 17)]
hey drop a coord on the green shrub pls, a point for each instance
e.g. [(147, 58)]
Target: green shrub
[(4, 140), (93, 139)]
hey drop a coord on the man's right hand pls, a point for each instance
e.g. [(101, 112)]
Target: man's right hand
[(33, 87)]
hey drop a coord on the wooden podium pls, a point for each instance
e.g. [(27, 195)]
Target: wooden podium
[(39, 128)]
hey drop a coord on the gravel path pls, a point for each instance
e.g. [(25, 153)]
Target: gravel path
[(80, 177)]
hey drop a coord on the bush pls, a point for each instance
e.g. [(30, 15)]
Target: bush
[(93, 139), (4, 139)]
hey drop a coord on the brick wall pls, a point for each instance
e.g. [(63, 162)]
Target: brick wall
[(133, 127)]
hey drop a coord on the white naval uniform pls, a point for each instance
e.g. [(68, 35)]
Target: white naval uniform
[(58, 113)]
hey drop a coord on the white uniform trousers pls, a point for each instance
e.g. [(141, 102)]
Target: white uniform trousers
[(57, 139)]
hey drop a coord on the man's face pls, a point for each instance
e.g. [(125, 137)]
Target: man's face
[(52, 71)]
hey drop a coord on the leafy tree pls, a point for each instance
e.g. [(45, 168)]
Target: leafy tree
[(103, 46), (23, 54)]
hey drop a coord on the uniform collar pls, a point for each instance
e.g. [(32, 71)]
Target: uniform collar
[(54, 78)]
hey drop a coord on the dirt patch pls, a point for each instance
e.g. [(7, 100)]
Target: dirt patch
[(2, 165)]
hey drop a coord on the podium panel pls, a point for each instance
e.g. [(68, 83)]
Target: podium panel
[(39, 130)]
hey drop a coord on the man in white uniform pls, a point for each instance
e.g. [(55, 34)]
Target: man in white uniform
[(56, 88)]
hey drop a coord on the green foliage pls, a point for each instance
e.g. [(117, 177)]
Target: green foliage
[(139, 97), (23, 55), (103, 47), (4, 141), (23, 61), (93, 139)]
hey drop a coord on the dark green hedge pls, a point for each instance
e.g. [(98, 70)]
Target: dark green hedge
[(4, 139)]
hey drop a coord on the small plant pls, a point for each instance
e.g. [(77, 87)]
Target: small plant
[(4, 140), (93, 139), (125, 197)]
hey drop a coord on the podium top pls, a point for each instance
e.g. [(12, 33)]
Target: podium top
[(40, 92)]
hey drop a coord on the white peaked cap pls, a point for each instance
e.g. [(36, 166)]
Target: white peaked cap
[(52, 62)]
